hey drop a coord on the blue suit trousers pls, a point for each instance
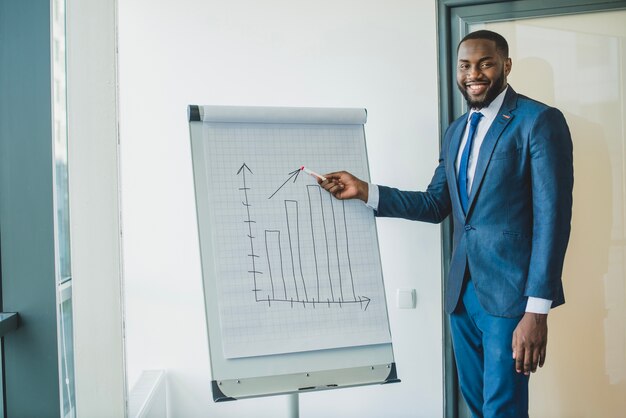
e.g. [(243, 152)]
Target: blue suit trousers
[(482, 348)]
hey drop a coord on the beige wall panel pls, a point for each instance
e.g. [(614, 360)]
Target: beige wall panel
[(578, 64)]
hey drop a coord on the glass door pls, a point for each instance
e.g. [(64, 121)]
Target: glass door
[(577, 63)]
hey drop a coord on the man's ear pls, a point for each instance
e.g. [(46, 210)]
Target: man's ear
[(507, 66)]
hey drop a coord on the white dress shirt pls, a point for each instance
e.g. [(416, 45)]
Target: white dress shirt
[(535, 305), (489, 115)]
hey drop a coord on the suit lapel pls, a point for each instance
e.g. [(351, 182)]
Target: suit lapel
[(491, 139)]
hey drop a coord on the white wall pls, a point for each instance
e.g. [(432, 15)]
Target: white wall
[(348, 53)]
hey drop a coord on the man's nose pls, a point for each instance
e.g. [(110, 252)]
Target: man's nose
[(473, 72)]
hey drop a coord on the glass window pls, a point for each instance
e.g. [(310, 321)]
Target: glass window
[(61, 205)]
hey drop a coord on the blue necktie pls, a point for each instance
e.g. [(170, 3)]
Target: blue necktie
[(463, 192)]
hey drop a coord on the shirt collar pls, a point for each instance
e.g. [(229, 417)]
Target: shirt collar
[(490, 112)]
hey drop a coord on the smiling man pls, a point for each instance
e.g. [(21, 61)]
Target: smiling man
[(482, 69), (505, 174)]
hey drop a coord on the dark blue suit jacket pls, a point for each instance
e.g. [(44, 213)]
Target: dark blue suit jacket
[(515, 234)]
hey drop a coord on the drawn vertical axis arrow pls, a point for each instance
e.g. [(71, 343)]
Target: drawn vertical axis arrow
[(293, 174), (242, 170)]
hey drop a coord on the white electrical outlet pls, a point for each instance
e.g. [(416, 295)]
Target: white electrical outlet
[(406, 298)]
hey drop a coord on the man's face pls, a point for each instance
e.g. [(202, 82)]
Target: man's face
[(481, 72)]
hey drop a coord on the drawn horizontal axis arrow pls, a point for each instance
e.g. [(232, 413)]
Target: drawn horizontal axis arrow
[(360, 301)]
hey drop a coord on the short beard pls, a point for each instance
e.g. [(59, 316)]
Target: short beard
[(492, 93)]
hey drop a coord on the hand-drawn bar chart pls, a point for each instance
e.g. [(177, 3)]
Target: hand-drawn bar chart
[(307, 263), (286, 267)]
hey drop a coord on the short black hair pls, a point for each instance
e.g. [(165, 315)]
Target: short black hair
[(501, 45)]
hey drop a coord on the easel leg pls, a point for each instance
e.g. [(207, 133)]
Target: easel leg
[(294, 405)]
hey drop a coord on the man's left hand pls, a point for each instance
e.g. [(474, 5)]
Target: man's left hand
[(530, 339)]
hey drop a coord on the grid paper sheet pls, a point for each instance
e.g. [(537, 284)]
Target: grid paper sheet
[(295, 268)]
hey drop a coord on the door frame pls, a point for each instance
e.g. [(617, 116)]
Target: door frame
[(96, 231), (454, 20)]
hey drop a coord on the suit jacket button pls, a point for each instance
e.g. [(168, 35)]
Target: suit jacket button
[(468, 227)]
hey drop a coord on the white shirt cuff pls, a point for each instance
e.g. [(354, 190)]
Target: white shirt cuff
[(372, 196), (538, 305)]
